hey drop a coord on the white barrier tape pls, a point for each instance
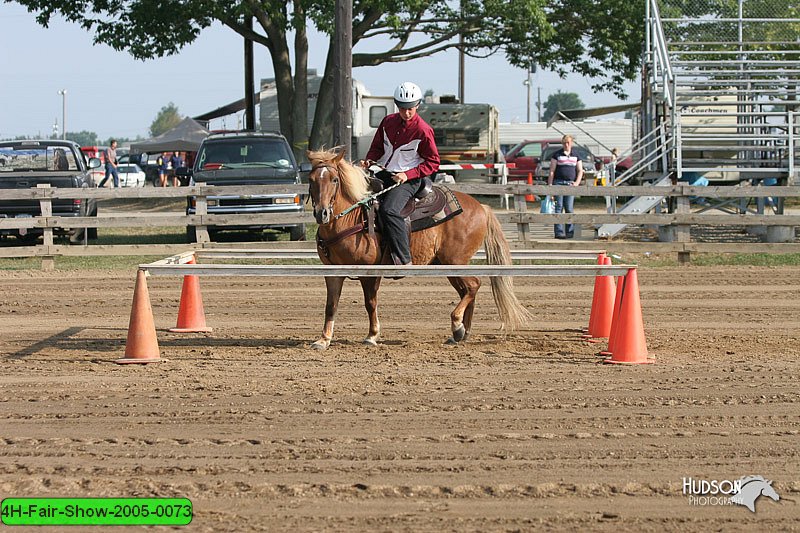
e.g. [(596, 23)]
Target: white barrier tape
[(475, 166)]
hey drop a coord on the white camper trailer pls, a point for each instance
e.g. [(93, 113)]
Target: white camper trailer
[(465, 133)]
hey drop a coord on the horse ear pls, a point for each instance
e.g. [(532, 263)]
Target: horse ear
[(339, 157)]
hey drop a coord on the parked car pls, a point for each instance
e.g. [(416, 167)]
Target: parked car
[(588, 160), (130, 175), (247, 158), (526, 156), (60, 164), (98, 152)]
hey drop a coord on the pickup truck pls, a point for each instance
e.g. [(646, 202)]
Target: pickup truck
[(526, 157), (246, 158), (61, 164)]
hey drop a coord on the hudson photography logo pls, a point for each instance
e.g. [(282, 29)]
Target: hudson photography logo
[(743, 491)]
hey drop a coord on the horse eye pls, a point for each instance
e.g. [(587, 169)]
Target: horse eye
[(335, 181)]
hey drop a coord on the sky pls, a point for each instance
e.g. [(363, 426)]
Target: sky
[(112, 94)]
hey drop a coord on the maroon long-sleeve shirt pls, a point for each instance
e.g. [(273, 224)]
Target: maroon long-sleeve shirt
[(408, 147)]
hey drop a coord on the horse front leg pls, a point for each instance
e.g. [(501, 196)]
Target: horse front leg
[(334, 286), (461, 317), (370, 287)]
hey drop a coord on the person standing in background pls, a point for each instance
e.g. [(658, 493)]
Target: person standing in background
[(176, 162), (163, 169), (566, 168), (111, 164)]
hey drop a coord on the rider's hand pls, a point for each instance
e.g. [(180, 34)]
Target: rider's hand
[(400, 177), (363, 163)]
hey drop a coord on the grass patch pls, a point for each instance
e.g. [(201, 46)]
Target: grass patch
[(71, 264), (667, 260)]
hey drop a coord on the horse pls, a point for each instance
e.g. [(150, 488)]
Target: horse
[(751, 488), (335, 185)]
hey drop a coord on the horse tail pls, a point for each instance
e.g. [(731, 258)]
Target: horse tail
[(512, 313)]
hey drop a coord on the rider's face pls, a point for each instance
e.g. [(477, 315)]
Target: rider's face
[(407, 113)]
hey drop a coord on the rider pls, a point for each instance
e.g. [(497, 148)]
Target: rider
[(405, 147)]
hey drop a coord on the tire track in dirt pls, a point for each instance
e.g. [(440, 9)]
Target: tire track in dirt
[(522, 431)]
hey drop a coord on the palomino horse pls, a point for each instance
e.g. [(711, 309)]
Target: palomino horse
[(335, 185)]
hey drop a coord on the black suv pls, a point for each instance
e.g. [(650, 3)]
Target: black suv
[(247, 158)]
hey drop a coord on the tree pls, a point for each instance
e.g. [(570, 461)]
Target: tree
[(84, 138), (559, 102), (166, 119), (526, 31)]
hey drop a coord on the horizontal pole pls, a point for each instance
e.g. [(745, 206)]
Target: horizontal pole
[(312, 254), (512, 188), (384, 270), (710, 219), (160, 250)]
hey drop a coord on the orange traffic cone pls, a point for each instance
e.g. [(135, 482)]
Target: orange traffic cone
[(615, 319), (530, 197), (191, 316), (602, 306), (600, 261), (142, 344), (630, 346)]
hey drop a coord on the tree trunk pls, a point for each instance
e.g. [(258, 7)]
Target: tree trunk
[(322, 131), (281, 64), (300, 108)]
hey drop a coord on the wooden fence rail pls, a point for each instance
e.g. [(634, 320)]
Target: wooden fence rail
[(680, 220)]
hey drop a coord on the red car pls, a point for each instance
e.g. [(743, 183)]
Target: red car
[(526, 156)]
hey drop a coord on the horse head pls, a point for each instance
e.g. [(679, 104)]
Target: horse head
[(333, 184), (323, 186)]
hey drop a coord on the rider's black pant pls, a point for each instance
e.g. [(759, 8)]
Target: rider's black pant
[(395, 232)]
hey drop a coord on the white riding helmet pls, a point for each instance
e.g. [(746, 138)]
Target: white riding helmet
[(407, 95)]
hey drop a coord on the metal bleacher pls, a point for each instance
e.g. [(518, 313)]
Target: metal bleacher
[(721, 97)]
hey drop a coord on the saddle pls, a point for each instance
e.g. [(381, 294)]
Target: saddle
[(429, 201), (430, 206)]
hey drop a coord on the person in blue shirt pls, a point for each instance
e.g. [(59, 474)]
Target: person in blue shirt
[(566, 168), (176, 161)]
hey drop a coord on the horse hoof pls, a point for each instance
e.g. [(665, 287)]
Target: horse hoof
[(320, 345), (459, 333), (369, 342), (451, 342)]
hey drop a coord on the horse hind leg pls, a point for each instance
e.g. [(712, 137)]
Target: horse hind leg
[(461, 317), (370, 287)]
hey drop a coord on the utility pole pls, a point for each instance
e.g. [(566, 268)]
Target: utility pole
[(63, 93), (249, 100), (461, 72), (527, 84), (539, 103), (343, 76)]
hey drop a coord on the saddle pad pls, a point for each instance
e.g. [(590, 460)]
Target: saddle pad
[(439, 206)]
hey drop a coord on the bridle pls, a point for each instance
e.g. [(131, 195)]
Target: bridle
[(325, 168), (366, 203)]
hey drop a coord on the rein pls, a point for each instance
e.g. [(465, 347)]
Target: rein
[(323, 244), (366, 202)]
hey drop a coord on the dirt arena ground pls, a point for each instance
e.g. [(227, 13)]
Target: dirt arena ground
[(519, 433)]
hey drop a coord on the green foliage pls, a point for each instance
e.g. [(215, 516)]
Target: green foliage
[(166, 119), (84, 138), (560, 101), (599, 39)]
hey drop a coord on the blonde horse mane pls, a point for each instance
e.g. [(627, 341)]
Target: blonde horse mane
[(353, 180)]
